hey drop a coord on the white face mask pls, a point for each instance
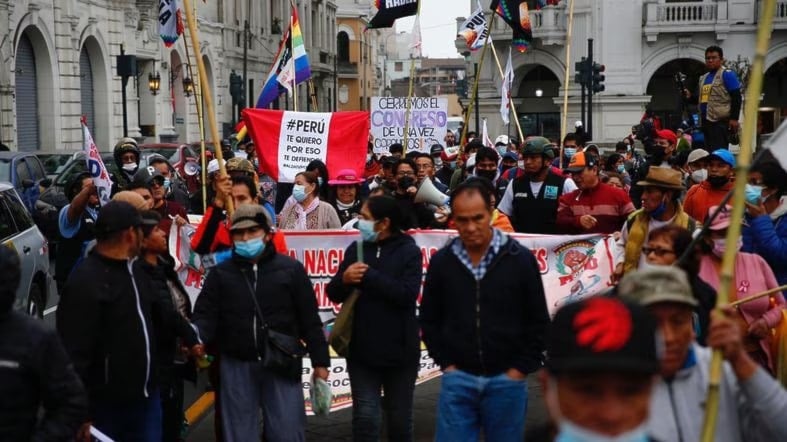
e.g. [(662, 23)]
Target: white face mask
[(130, 167), (699, 175)]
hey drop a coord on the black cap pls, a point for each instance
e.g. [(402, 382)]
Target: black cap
[(602, 334), (436, 150), (116, 216), (145, 176)]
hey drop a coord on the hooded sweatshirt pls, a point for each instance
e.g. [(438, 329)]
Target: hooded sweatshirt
[(766, 235)]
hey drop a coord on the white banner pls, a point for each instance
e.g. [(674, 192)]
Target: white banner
[(428, 122), (303, 138), (96, 167), (572, 268)]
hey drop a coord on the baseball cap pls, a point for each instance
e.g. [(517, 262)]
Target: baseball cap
[(116, 216), (502, 139), (602, 334), (512, 156), (345, 177), (580, 161), (723, 155), (696, 155), (237, 164), (657, 284), (247, 216), (145, 176), (436, 150), (722, 220), (666, 134)]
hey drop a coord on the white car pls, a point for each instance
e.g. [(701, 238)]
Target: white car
[(19, 232)]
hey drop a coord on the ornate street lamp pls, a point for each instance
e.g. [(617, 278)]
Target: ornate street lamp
[(154, 82), (188, 86)]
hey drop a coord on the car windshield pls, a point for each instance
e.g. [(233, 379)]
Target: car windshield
[(5, 170)]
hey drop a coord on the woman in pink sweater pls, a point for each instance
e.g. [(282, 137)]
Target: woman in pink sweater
[(752, 275)]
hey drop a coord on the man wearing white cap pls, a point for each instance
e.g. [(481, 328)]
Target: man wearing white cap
[(697, 165)]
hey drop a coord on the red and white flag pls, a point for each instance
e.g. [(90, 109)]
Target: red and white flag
[(287, 141), (95, 165), (505, 93)]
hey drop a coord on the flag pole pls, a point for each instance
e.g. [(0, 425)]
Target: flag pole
[(201, 123), (564, 125), (510, 101), (726, 276), (203, 77), (407, 105), (463, 139), (292, 67)]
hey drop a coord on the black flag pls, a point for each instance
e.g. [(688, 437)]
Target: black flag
[(517, 14), (389, 10)]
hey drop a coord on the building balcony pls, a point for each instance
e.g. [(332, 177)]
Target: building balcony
[(548, 25), (684, 17), (780, 19), (347, 69)]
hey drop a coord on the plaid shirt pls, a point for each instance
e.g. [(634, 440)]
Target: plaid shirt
[(459, 250)]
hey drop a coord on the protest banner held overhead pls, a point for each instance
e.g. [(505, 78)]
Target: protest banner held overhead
[(287, 141), (95, 165), (428, 122)]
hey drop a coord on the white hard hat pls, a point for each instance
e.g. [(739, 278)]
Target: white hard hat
[(578, 124), (502, 139), (213, 165)]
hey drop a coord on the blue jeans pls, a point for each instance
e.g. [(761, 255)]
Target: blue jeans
[(134, 421), (468, 402), (398, 384)]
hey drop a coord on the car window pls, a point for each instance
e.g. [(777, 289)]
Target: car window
[(5, 170), (73, 169), (54, 163), (37, 169), (19, 212), (21, 172), (7, 226)]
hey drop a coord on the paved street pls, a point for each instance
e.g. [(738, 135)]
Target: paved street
[(338, 426)]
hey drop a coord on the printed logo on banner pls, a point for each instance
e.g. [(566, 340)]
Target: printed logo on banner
[(573, 258), (428, 122), (304, 137)]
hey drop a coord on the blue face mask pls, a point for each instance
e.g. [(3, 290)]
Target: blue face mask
[(753, 194), (621, 168), (249, 249), (167, 183), (299, 192), (368, 233), (570, 432), (569, 152), (658, 211)]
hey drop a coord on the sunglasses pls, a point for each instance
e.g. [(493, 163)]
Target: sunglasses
[(659, 252)]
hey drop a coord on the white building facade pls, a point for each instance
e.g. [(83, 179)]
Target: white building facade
[(59, 62), (642, 44)]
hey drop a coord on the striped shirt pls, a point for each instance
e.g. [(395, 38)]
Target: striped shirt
[(608, 204)]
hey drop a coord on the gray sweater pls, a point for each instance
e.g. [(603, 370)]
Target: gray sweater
[(755, 410)]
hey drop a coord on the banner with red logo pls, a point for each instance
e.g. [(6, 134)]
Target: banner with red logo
[(287, 141), (572, 268)]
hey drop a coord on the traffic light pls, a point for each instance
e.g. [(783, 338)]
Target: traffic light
[(582, 72), (598, 78), (236, 88)]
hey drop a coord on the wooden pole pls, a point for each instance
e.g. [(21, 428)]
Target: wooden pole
[(463, 139), (407, 106), (292, 67), (510, 101), (758, 296), (569, 33), (208, 96), (733, 233)]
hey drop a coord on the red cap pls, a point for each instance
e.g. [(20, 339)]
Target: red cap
[(666, 134)]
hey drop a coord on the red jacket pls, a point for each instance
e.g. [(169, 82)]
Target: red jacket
[(701, 197), (608, 204), (213, 234)]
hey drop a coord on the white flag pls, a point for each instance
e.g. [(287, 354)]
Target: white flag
[(95, 165), (287, 75), (475, 30), (415, 48), (505, 93), (485, 135), (778, 145), (170, 26)]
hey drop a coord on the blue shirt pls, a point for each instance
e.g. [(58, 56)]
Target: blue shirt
[(730, 81), (67, 229), (459, 250)]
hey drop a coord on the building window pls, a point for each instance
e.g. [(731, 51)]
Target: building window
[(343, 47), (398, 66)]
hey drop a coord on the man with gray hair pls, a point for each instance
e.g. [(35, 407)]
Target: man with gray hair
[(752, 405)]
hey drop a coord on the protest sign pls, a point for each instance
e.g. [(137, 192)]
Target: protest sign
[(428, 122), (572, 268), (287, 142), (95, 165)]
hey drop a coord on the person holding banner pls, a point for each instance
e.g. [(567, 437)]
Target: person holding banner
[(483, 318), (75, 224), (254, 304), (309, 212), (385, 347)]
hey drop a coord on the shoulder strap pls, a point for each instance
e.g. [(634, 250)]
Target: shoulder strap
[(253, 295)]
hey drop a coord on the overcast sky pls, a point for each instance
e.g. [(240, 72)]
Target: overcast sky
[(438, 26)]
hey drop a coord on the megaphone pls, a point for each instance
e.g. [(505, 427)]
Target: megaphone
[(428, 193), (191, 168)]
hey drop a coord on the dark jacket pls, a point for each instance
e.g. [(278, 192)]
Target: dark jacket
[(225, 312), (105, 322), (416, 215), (385, 329), (36, 372), (489, 326), (170, 324)]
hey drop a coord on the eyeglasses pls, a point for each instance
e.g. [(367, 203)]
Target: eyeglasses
[(659, 252)]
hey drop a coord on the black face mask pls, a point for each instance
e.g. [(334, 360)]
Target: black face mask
[(405, 182), (717, 181), (488, 174)]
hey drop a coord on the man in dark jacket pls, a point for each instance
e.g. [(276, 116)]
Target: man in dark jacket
[(104, 320), (483, 319), (35, 371), (75, 225), (256, 296)]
